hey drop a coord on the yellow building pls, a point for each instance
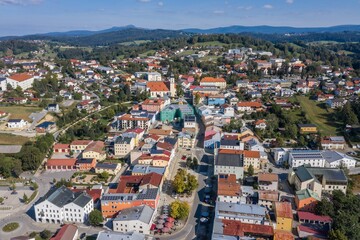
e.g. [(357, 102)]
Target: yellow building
[(78, 146), (95, 150), (307, 128), (284, 216)]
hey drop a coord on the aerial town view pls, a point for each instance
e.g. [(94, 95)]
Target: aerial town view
[(179, 120)]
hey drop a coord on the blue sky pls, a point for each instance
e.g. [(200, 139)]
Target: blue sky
[(20, 17)]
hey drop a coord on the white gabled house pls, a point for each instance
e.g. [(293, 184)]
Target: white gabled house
[(62, 205)]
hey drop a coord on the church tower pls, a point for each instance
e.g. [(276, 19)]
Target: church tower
[(172, 86)]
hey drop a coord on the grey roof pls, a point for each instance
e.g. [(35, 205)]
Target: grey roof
[(333, 156), (107, 165), (142, 213), (123, 140), (123, 197), (306, 154), (229, 142), (62, 196), (303, 174), (246, 209), (328, 174), (150, 193), (107, 235), (235, 160), (144, 169), (14, 120)]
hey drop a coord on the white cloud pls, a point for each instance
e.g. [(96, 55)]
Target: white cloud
[(19, 2), (219, 12), (268, 6), (160, 4), (290, 1), (245, 7), (144, 1)]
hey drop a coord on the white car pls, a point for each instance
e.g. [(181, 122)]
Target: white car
[(204, 220)]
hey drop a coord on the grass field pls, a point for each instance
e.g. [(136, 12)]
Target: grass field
[(10, 139), (319, 116), (20, 111)]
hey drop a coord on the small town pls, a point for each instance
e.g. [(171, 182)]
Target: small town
[(165, 135)]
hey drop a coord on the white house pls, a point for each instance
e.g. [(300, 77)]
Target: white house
[(16, 123), (313, 158), (62, 205), (136, 219), (22, 80), (336, 159)]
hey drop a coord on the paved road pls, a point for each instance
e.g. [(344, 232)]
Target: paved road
[(22, 213)]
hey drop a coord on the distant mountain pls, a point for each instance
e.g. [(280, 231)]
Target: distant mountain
[(131, 33), (104, 37), (271, 29), (82, 33)]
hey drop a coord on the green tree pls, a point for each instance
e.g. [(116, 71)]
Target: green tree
[(104, 175), (189, 162), (337, 235), (250, 170), (324, 207), (95, 218), (34, 186), (191, 183), (46, 234), (179, 210), (270, 170), (1, 200), (349, 117), (195, 163), (25, 198), (178, 183)]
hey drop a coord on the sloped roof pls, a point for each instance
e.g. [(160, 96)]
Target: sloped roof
[(157, 86), (142, 213), (68, 231), (237, 228), (283, 209), (20, 77)]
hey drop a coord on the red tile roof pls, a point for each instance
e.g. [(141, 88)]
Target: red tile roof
[(228, 186), (94, 193), (66, 232), (268, 177), (237, 228), (81, 142), (165, 146), (313, 217), (20, 77), (283, 235), (283, 209), (96, 146), (61, 162), (157, 87), (212, 79), (249, 104), (61, 146), (126, 183)]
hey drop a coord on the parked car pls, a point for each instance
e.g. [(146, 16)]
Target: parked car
[(204, 220), (183, 157)]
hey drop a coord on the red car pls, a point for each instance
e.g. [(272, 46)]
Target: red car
[(183, 157)]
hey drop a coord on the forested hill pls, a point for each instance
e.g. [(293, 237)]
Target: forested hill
[(106, 38)]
